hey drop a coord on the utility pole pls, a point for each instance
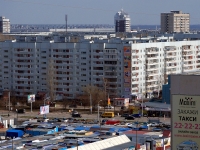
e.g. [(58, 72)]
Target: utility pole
[(9, 101), (98, 112), (90, 101)]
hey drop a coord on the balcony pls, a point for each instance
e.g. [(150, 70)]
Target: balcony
[(152, 73), (188, 68), (198, 57), (152, 85), (155, 67), (152, 62), (134, 88), (170, 60), (186, 47), (169, 55), (152, 56), (152, 51), (188, 53), (188, 63), (188, 58), (169, 49)]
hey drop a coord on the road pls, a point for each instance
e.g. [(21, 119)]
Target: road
[(65, 114)]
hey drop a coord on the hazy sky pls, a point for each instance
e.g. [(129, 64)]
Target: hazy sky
[(142, 12)]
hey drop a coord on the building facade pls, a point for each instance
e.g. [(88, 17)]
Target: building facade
[(129, 66), (175, 21), (4, 25), (122, 22)]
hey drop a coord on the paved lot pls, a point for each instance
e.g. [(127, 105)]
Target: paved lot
[(65, 114)]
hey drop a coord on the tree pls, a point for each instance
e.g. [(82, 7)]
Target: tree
[(93, 94), (83, 98), (51, 80), (65, 102)]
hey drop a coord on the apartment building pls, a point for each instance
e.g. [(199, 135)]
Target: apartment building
[(175, 21), (130, 66), (4, 25), (122, 22)]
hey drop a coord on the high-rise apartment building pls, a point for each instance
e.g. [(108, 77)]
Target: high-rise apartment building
[(130, 66), (175, 21), (122, 22), (4, 25)]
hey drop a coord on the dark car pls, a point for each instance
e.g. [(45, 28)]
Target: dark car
[(125, 115), (74, 112), (21, 111), (136, 115), (76, 115), (103, 121), (129, 117)]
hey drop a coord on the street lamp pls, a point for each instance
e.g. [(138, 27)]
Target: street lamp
[(98, 111), (17, 116), (136, 136)]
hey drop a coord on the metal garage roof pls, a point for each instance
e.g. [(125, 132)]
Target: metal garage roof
[(104, 144)]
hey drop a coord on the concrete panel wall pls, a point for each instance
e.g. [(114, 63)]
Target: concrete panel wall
[(185, 84)]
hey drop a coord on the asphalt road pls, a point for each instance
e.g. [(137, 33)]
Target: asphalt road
[(64, 114)]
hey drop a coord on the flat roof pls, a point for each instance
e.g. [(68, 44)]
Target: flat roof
[(121, 146)]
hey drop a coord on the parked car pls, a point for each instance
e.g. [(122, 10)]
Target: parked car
[(76, 115), (70, 119), (125, 115), (74, 112), (131, 125), (54, 120), (153, 124), (21, 111), (109, 107), (103, 121), (112, 122), (108, 115), (129, 117), (136, 115), (156, 129)]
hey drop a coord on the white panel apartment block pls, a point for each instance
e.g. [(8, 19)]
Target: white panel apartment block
[(25, 62)]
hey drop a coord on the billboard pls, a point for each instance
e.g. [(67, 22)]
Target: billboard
[(44, 110), (31, 98), (108, 101), (127, 71), (185, 122)]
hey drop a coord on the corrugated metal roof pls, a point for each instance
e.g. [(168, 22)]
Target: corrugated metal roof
[(107, 143)]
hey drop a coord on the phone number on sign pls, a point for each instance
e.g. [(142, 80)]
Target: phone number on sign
[(186, 126)]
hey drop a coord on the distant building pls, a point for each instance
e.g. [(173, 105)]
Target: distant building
[(122, 22), (4, 25), (175, 21)]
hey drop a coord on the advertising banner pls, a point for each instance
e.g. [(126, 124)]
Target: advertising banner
[(31, 98), (185, 122), (44, 110), (127, 70), (108, 101)]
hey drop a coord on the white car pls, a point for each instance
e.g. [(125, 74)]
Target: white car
[(109, 107), (153, 124), (131, 125)]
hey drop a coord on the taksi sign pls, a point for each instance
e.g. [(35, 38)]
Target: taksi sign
[(185, 122)]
